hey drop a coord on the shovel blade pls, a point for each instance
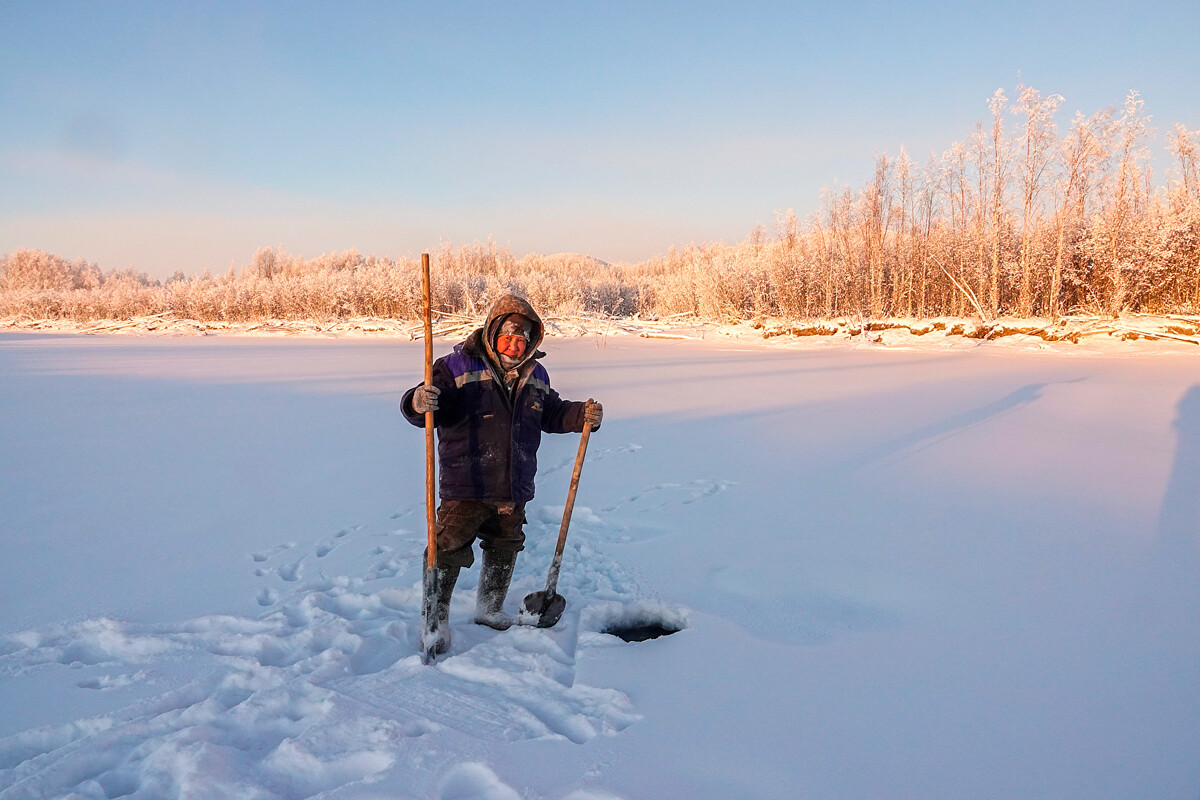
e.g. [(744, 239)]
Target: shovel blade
[(542, 609)]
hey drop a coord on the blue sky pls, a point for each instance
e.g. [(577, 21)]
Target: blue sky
[(164, 136)]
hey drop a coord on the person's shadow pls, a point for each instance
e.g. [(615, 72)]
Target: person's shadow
[(1179, 516)]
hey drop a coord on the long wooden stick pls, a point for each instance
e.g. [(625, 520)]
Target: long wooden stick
[(430, 468), (430, 635), (556, 564)]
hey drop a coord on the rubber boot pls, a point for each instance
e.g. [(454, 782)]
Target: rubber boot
[(493, 587), (447, 577)]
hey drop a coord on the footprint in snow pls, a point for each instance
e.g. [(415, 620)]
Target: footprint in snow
[(291, 572), (661, 495), (389, 567), (266, 555), (594, 455), (286, 572)]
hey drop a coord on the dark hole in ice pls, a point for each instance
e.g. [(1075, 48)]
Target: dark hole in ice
[(640, 631)]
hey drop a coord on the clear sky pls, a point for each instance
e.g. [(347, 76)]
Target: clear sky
[(184, 135)]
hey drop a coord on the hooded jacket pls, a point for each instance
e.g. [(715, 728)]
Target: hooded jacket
[(488, 431)]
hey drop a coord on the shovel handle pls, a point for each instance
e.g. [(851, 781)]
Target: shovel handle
[(552, 578)]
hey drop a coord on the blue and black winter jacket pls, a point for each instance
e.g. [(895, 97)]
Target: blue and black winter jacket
[(488, 435)]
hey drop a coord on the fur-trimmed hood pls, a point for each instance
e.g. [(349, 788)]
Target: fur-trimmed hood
[(482, 341)]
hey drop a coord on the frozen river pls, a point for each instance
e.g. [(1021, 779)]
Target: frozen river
[(928, 573)]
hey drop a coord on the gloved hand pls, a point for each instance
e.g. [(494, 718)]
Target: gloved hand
[(425, 398), (593, 413)]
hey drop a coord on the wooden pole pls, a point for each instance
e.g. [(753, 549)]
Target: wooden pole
[(430, 467), (429, 584)]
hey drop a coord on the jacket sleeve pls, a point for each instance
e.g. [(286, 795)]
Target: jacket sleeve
[(448, 406), (562, 416)]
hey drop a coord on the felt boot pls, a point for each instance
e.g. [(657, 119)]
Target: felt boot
[(447, 577), (493, 587)]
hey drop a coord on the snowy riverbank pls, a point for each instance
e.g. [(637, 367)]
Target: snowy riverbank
[(1097, 333)]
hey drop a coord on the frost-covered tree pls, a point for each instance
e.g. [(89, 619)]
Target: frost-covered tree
[(1037, 140)]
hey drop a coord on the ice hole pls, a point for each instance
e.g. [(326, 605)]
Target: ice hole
[(636, 622), (641, 631)]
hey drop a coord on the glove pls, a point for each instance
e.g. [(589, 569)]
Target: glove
[(593, 414), (425, 398)]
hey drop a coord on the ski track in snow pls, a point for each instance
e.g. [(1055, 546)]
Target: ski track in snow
[(325, 688)]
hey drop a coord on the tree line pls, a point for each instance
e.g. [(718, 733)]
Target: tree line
[(1023, 217)]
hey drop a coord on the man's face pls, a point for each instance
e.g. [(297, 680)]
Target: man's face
[(511, 346)]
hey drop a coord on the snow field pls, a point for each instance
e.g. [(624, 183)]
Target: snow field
[(900, 574)]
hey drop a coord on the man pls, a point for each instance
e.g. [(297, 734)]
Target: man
[(491, 401)]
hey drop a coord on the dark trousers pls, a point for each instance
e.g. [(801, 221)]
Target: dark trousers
[(498, 526)]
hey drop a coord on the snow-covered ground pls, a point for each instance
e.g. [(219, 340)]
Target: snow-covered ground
[(939, 572)]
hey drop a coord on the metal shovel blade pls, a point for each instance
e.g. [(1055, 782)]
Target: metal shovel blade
[(542, 609)]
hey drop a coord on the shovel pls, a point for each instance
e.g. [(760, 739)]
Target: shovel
[(545, 608)]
